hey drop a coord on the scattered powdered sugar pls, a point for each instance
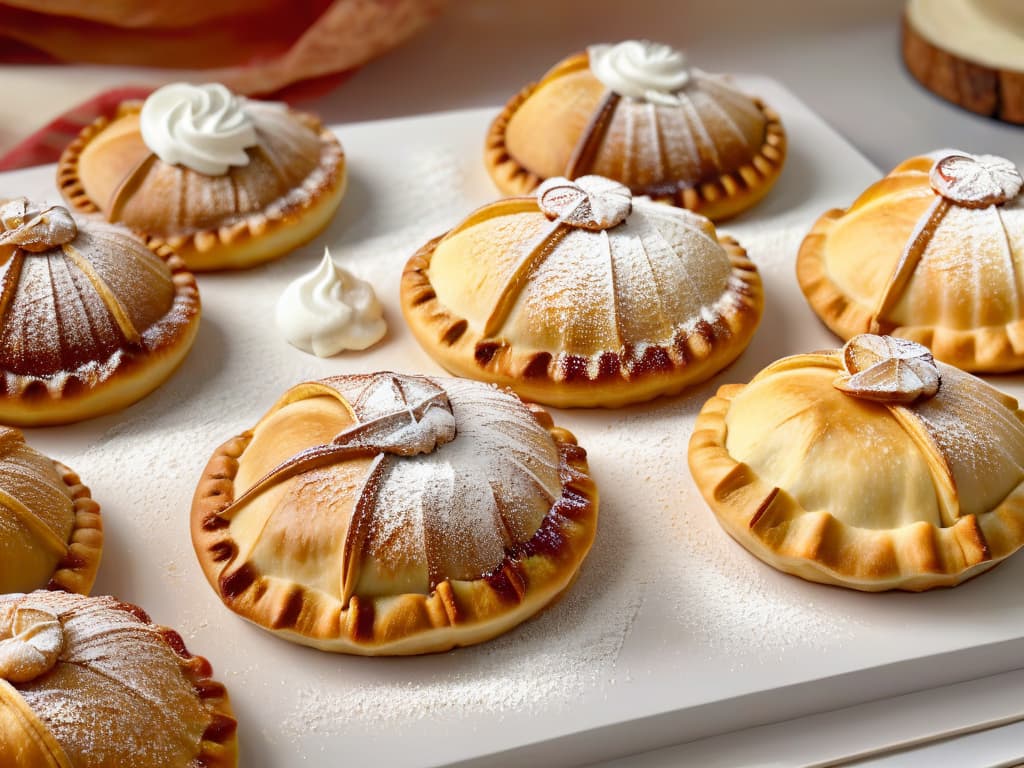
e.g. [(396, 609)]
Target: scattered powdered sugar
[(543, 665), (718, 597), (975, 180), (663, 592)]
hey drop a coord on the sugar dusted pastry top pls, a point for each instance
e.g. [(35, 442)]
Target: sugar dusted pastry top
[(934, 248), (386, 514), (451, 474), (638, 113), (90, 683), (933, 252), (198, 158), (78, 296), (547, 280), (917, 441)]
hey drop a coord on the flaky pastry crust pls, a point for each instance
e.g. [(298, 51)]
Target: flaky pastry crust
[(996, 346), (129, 374), (622, 376), (77, 570), (817, 545), (455, 612)]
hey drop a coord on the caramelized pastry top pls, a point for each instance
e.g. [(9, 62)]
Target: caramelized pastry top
[(75, 293), (637, 113), (934, 243), (36, 515), (599, 274), (386, 484), (91, 683), (879, 435), (129, 183)]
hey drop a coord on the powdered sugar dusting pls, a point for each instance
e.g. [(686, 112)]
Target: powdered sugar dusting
[(975, 181), (75, 309), (616, 290), (710, 127), (116, 691), (666, 606), (980, 437), (498, 475)]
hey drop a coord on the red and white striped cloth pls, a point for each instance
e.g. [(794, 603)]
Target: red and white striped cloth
[(46, 144)]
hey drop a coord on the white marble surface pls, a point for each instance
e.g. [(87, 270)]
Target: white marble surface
[(842, 59)]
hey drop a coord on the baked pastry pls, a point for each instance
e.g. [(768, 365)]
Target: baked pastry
[(637, 113), (89, 682), (930, 253), (872, 467), (226, 181), (92, 318), (969, 52), (582, 296), (51, 534), (385, 514)]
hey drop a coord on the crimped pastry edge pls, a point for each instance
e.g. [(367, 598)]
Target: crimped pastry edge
[(719, 199), (541, 376), (33, 401), (259, 237), (913, 558), (76, 572), (989, 349), (457, 613)]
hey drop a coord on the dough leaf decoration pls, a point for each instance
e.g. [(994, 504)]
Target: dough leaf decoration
[(31, 641), (976, 181), (397, 414), (589, 202), (887, 370), (31, 229)]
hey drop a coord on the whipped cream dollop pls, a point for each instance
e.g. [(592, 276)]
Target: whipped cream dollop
[(329, 310), (202, 127), (641, 69)]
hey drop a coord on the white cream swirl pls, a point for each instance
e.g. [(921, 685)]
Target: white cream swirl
[(202, 127), (641, 69), (329, 310)]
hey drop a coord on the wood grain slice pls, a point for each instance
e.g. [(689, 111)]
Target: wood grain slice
[(984, 90)]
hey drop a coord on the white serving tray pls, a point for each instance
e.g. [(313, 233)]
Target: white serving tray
[(672, 631)]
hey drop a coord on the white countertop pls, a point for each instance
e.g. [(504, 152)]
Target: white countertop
[(842, 59)]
